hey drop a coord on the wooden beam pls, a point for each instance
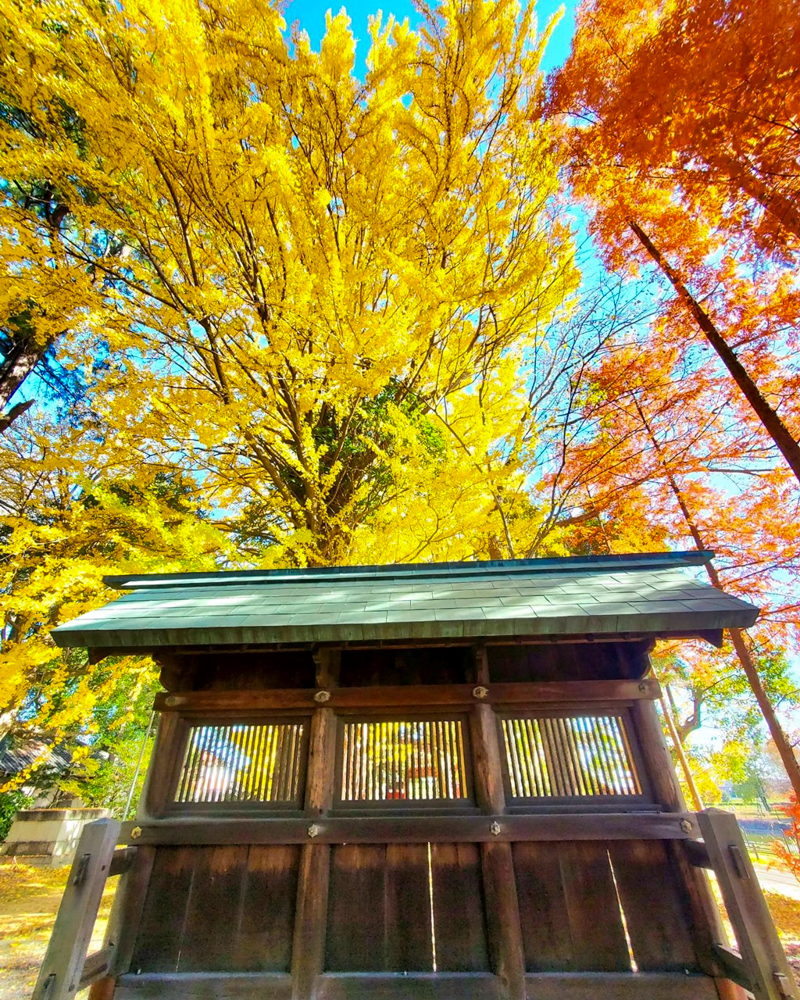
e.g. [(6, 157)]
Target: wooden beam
[(412, 829), (327, 662), (166, 760), (127, 909), (412, 696), (121, 861), (697, 853), (707, 928), (619, 986), (428, 986), (733, 964), (95, 967), (412, 986), (205, 986), (60, 974)]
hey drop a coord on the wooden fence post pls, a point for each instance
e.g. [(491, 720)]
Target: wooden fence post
[(60, 975), (768, 974)]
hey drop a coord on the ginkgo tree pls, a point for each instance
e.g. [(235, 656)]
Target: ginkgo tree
[(319, 293)]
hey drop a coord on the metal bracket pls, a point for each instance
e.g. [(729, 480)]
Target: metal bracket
[(81, 868)]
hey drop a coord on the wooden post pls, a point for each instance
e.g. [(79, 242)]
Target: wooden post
[(167, 758), (308, 945), (486, 768), (321, 760), (126, 912), (481, 664), (311, 917), (327, 662), (497, 862), (767, 971), (707, 927), (61, 971)]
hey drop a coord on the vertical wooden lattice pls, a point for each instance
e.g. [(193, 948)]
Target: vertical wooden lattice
[(242, 763), (419, 760), (568, 757)]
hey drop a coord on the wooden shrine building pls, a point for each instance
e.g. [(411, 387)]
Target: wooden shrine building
[(441, 781)]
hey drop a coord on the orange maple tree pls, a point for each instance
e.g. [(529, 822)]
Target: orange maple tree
[(680, 131)]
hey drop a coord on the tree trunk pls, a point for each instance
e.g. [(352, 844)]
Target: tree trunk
[(778, 205), (16, 367), (737, 637), (773, 424)]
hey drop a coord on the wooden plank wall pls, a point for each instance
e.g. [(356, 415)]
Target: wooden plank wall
[(233, 909), (443, 920)]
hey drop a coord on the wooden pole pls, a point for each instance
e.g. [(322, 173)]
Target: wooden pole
[(687, 771)]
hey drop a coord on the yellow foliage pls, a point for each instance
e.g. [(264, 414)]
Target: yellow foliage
[(319, 292)]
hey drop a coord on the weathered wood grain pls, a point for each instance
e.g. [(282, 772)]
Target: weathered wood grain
[(546, 932), (309, 938), (595, 921), (768, 973), (60, 973), (357, 909), (655, 911), (458, 908), (502, 917), (399, 828), (407, 917), (419, 696), (204, 986), (487, 771)]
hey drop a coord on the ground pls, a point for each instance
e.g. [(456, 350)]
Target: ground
[(29, 899)]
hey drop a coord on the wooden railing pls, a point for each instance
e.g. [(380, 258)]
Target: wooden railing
[(759, 966), (67, 968)]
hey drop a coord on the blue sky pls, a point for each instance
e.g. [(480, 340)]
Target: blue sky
[(311, 15)]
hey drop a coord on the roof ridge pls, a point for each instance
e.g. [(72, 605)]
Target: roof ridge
[(443, 570)]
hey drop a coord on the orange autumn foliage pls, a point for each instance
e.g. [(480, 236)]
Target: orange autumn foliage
[(679, 133)]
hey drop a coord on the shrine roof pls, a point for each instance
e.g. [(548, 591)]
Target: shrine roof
[(641, 594)]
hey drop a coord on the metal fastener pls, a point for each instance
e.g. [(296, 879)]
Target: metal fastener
[(174, 700), (314, 830), (480, 692), (136, 832), (643, 686), (494, 828), (322, 696), (686, 825)]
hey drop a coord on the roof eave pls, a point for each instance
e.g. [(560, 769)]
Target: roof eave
[(686, 624)]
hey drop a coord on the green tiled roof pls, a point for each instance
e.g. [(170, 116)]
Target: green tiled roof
[(648, 594)]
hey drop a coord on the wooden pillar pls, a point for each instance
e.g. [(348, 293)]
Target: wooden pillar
[(165, 763), (497, 862), (311, 917), (707, 928)]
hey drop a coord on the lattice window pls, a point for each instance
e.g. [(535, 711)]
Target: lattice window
[(416, 760), (568, 757), (243, 763)]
